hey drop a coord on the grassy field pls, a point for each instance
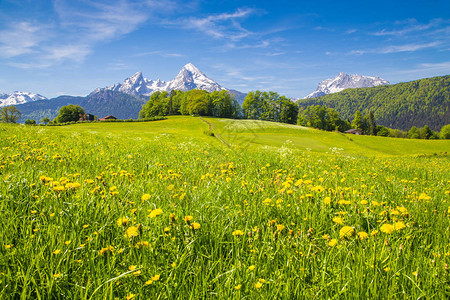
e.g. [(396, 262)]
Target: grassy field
[(162, 210)]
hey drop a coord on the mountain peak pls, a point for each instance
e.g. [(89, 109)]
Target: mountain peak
[(345, 81), (190, 67), (19, 98)]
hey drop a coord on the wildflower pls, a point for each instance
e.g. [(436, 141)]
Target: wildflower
[(258, 285), (67, 242), (424, 196), (238, 232), (122, 221), (327, 201), (145, 197), (188, 219), (130, 296), (132, 267), (156, 277), (399, 225), (280, 227), (148, 282), (238, 287), (132, 231), (374, 232), (170, 187), (346, 231), (332, 243), (57, 275), (363, 202), (57, 251), (106, 250), (85, 226), (338, 220), (156, 212), (142, 244), (387, 228), (195, 226), (363, 235), (8, 246), (251, 268)]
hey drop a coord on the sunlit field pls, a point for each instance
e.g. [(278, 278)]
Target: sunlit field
[(162, 210)]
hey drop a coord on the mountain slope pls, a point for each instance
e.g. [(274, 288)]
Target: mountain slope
[(19, 98), (416, 103), (345, 81)]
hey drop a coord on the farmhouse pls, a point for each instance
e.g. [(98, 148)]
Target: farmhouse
[(354, 131), (108, 118)]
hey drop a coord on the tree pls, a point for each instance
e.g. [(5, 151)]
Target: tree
[(372, 126), (69, 113), (357, 121), (413, 133), (30, 122), (445, 132), (426, 132), (10, 114), (45, 120)]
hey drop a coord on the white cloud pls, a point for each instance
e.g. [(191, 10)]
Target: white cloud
[(396, 48), (21, 38)]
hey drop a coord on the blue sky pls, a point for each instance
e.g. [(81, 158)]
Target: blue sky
[(72, 47)]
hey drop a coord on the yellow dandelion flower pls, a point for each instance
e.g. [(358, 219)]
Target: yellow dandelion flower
[(363, 235), (187, 219), (332, 243), (85, 226), (387, 228), (8, 246), (156, 277), (399, 225), (374, 232), (132, 267), (238, 232), (145, 197), (122, 221), (251, 268), (130, 296), (258, 285), (68, 242), (57, 251), (57, 275), (170, 187), (156, 212), (195, 226), (106, 250), (280, 227), (148, 282), (363, 202), (346, 231), (132, 231), (238, 287), (338, 220), (327, 201)]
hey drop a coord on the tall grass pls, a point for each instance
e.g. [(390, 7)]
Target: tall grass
[(94, 217)]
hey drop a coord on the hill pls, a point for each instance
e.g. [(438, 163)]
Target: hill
[(416, 103)]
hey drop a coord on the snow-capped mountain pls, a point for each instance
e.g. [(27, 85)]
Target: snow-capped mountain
[(19, 98), (192, 78), (345, 81), (187, 79)]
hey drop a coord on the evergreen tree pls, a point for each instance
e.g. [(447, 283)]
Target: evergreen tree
[(372, 125), (357, 121)]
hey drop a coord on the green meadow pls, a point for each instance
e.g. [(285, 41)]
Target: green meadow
[(260, 210)]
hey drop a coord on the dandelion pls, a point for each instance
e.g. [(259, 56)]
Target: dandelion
[(57, 251), (399, 225), (346, 231), (188, 219), (130, 296), (149, 282), (387, 228), (258, 285), (363, 235), (122, 221), (57, 275), (145, 197), (67, 242), (132, 231), (237, 233), (8, 246), (332, 243), (132, 267), (338, 220), (195, 226), (280, 227), (327, 201), (156, 277), (106, 250), (251, 268), (156, 212), (238, 287), (170, 187)]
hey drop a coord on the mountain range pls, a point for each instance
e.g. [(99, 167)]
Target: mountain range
[(123, 100), (345, 81)]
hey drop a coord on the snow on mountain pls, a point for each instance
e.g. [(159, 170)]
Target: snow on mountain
[(192, 78), (187, 79), (345, 81), (19, 98)]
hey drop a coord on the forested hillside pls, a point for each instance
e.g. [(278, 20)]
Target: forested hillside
[(401, 106)]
